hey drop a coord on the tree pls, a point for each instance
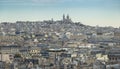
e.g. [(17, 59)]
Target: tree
[(17, 56)]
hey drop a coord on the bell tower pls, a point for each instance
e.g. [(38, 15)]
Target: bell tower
[(68, 17), (63, 17)]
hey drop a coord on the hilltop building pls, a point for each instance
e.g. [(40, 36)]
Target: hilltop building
[(66, 19)]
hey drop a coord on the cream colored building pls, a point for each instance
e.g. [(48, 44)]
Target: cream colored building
[(6, 58), (102, 57)]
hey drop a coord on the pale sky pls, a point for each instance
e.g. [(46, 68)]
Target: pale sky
[(88, 12)]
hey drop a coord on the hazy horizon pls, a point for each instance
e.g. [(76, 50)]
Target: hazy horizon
[(88, 12)]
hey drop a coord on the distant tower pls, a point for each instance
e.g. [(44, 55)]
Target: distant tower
[(52, 19), (68, 17), (63, 17)]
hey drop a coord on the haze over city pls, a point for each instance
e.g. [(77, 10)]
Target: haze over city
[(89, 12), (59, 34)]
